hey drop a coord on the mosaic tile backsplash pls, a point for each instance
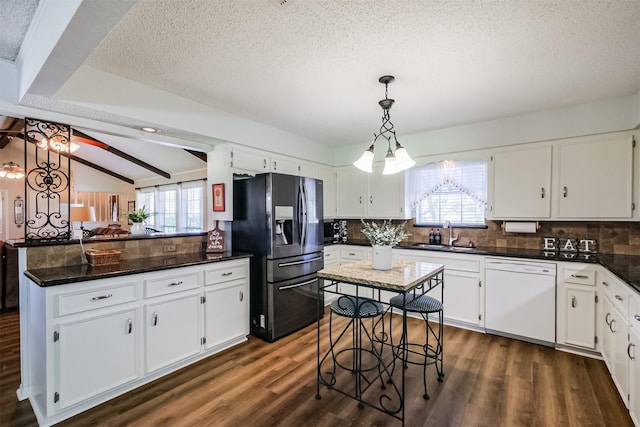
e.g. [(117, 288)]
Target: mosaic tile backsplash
[(612, 237)]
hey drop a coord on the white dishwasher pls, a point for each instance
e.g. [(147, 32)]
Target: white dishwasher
[(520, 300)]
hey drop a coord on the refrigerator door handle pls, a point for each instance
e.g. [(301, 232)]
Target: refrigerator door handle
[(287, 264), (303, 216), (297, 285)]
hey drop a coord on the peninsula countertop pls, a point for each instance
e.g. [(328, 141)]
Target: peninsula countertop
[(403, 276), (84, 272)]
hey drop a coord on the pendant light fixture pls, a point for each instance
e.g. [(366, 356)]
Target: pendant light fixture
[(393, 163)]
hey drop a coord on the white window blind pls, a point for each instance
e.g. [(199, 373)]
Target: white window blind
[(174, 208), (453, 191)]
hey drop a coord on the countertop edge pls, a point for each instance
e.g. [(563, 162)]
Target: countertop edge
[(98, 274)]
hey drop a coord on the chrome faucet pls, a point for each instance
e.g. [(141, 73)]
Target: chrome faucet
[(447, 224)]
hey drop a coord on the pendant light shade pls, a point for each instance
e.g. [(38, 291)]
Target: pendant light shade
[(365, 162), (393, 163)]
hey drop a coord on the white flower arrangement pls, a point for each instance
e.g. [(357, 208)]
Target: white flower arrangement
[(385, 234)]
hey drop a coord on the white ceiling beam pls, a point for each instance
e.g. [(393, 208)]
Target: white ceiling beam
[(61, 37)]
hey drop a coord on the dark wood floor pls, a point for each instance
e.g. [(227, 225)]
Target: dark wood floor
[(490, 381)]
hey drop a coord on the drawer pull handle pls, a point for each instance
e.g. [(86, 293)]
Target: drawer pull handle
[(605, 283), (130, 325), (579, 276), (629, 351), (304, 261), (241, 296), (99, 297), (637, 317), (352, 254), (573, 302), (619, 298), (176, 283), (542, 192), (565, 191), (606, 319), (613, 321), (228, 273), (154, 321)]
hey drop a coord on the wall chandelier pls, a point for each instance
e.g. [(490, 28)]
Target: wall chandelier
[(393, 163), (11, 170)]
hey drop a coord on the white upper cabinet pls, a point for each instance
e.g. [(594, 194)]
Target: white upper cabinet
[(250, 160), (586, 178), (594, 177), (285, 165), (522, 183), (362, 195), (351, 192), (326, 174)]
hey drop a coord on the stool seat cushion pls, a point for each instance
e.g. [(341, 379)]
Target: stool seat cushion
[(418, 304), (347, 305)]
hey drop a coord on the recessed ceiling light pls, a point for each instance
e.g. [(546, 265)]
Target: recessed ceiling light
[(150, 129)]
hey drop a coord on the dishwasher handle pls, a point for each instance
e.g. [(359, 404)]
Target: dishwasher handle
[(515, 267)]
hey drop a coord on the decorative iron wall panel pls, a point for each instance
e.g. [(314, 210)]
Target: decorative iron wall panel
[(47, 182)]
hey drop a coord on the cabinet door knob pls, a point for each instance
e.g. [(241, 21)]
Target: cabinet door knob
[(154, 318), (542, 193), (564, 191), (573, 302), (129, 325), (629, 351)]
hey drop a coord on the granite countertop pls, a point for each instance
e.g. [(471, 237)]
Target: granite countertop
[(404, 275), (626, 267), (84, 272)]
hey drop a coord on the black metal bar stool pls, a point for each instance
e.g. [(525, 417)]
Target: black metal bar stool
[(357, 309), (431, 352)]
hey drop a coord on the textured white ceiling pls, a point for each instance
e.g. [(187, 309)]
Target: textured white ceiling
[(16, 17), (311, 67)]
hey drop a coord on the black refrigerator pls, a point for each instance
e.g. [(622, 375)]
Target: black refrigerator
[(278, 218)]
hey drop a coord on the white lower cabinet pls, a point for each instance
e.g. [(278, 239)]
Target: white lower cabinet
[(615, 326), (88, 342), (351, 253), (93, 354), (576, 305), (463, 292), (633, 350), (227, 312), (172, 330)]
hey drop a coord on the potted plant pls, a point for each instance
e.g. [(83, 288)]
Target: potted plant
[(382, 238), (138, 217)]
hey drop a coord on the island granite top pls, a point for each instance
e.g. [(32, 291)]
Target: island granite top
[(84, 272), (403, 276)]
